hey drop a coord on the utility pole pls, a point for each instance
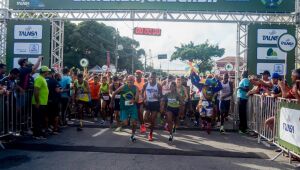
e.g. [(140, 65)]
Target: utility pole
[(133, 53)]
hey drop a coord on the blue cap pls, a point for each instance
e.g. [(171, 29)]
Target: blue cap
[(275, 76)]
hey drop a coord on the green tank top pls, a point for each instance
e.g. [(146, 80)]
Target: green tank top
[(104, 88), (127, 95), (172, 100)]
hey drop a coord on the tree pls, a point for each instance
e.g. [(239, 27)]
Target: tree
[(201, 54), (92, 40)]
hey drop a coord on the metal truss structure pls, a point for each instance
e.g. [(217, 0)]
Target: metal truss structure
[(3, 29), (57, 44), (241, 49), (152, 15)]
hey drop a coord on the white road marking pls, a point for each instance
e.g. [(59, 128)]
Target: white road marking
[(100, 132)]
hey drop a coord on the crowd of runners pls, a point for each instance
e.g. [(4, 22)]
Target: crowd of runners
[(141, 100)]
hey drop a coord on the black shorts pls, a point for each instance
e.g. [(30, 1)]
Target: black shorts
[(225, 106), (117, 105), (153, 106), (53, 109), (174, 111)]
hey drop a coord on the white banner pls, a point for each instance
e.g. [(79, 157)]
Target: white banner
[(289, 127), (28, 32), (270, 53), (269, 36), (28, 48), (271, 67)]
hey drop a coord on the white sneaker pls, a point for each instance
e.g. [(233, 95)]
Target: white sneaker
[(102, 122), (95, 119)]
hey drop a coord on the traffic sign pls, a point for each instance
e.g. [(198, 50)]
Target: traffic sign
[(162, 56)]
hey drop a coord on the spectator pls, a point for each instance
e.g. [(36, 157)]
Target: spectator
[(8, 83), (293, 92), (243, 99), (2, 71), (275, 90), (26, 70), (52, 117), (40, 102), (65, 84), (261, 86)]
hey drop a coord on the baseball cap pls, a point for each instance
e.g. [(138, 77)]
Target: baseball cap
[(275, 76), (139, 72), (45, 69), (266, 72)]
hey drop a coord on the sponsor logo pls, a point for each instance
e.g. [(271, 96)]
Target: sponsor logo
[(28, 32), (271, 53), (269, 36), (288, 128), (287, 42), (272, 3), (30, 3)]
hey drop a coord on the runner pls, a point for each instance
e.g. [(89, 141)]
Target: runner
[(173, 101), (224, 98), (208, 88), (184, 95), (82, 92), (95, 96), (153, 92), (112, 88), (139, 83), (129, 98), (166, 84), (105, 99)]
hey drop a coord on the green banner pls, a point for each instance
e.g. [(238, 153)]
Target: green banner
[(287, 121), (263, 51), (28, 39), (261, 6)]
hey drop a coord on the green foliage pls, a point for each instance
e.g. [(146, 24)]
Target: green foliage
[(201, 54), (92, 40)]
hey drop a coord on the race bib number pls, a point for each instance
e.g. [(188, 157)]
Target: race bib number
[(205, 103), (105, 98), (128, 103), (117, 96)]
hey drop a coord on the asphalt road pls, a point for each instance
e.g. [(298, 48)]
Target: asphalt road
[(103, 148)]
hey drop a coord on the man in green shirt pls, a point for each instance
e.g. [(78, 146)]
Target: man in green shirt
[(40, 102)]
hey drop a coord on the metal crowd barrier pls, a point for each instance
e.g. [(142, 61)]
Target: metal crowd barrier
[(259, 109), (15, 113)]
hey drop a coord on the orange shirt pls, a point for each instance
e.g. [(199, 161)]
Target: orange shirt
[(95, 90), (140, 87)]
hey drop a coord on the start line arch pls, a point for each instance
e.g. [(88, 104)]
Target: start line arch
[(240, 12)]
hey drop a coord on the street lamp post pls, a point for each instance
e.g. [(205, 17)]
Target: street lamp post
[(132, 58)]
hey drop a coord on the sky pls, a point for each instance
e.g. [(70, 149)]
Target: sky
[(177, 33)]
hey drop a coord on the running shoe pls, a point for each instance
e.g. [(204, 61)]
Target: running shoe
[(171, 138), (95, 119), (79, 129), (150, 137), (143, 129), (222, 130), (132, 139)]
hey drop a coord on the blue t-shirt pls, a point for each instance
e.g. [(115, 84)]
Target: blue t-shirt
[(242, 93), (65, 84)]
